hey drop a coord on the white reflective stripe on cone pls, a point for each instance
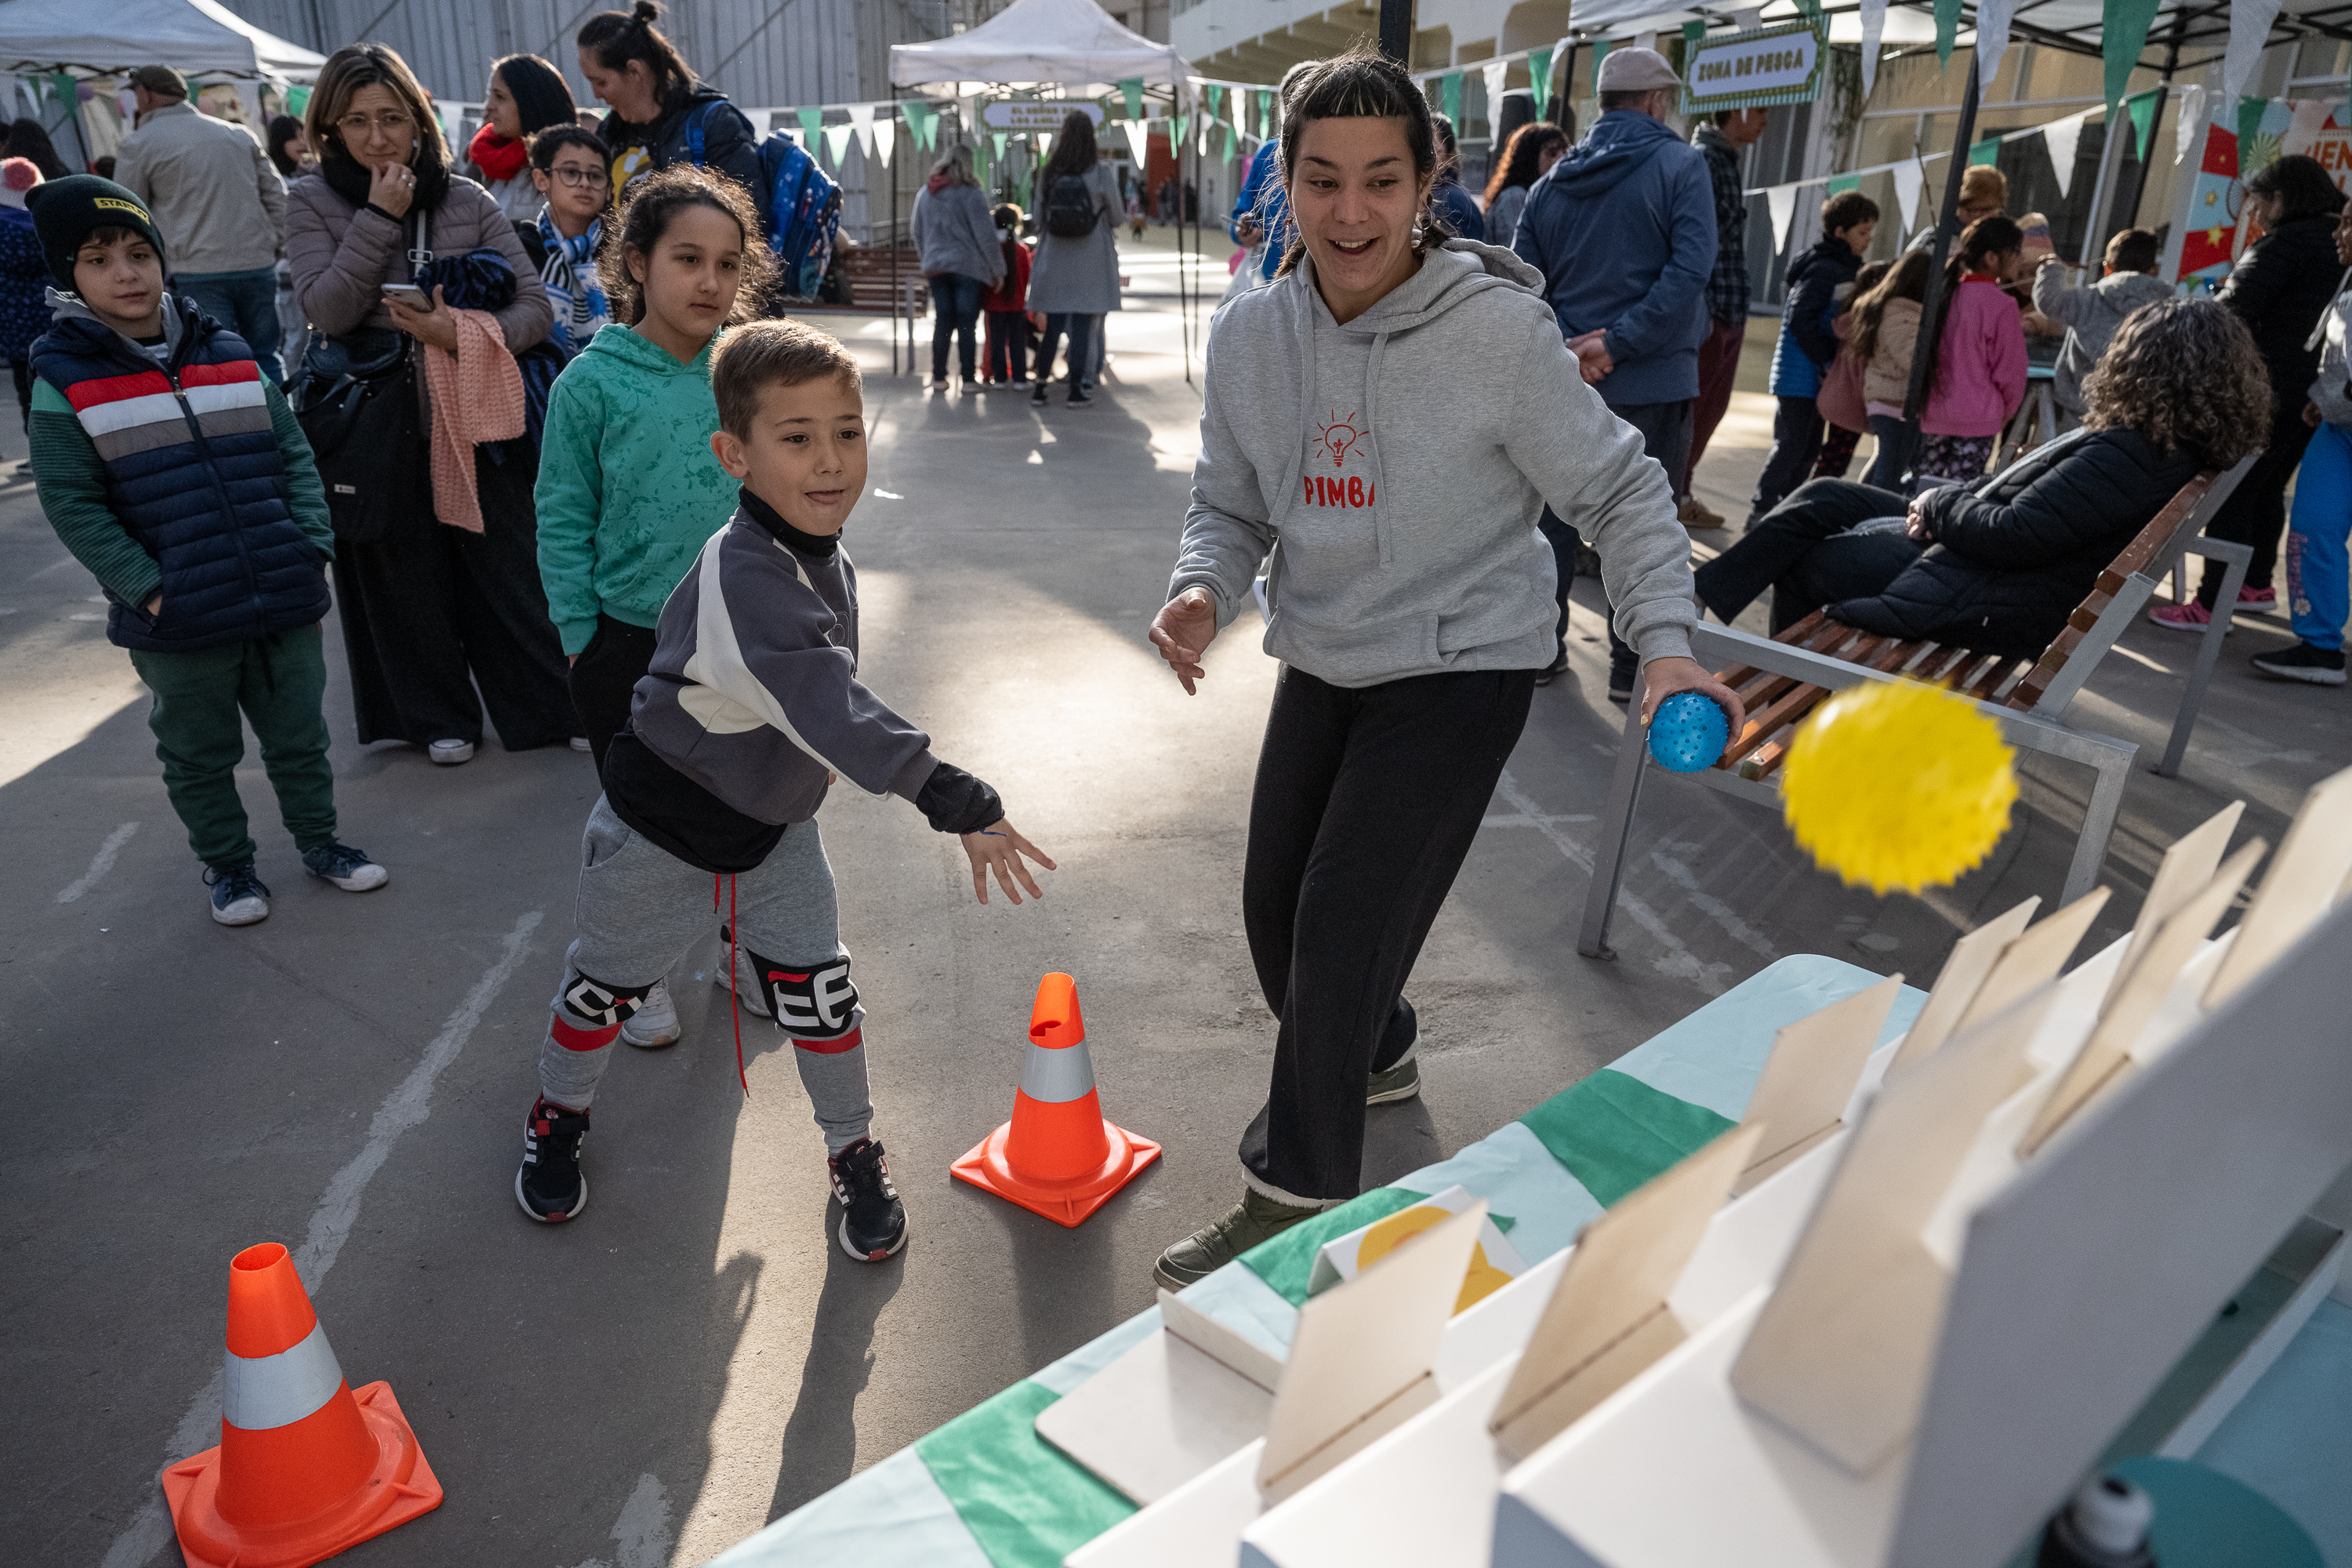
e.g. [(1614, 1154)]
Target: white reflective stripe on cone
[(266, 1391), (1057, 1077)]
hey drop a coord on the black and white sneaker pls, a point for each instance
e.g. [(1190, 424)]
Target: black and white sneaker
[(2318, 666), (346, 868), (239, 898), (873, 1221), (549, 1184)]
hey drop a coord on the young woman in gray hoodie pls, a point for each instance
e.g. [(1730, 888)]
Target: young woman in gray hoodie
[(1393, 506)]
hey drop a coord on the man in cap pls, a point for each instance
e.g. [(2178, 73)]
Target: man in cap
[(219, 203), (1624, 230)]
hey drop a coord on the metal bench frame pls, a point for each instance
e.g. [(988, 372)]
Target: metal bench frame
[(2039, 727)]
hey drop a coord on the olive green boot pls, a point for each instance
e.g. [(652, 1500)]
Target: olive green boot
[(1253, 1219)]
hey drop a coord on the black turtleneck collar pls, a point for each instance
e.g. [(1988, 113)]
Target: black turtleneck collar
[(821, 545)]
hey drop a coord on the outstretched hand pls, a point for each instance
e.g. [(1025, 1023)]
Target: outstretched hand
[(1001, 847), (1182, 631), (1662, 678)]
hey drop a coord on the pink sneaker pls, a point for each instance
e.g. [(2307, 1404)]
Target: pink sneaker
[(2258, 598), (2191, 616)]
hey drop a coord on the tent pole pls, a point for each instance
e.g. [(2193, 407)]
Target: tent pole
[(2155, 121), (1396, 30), (2111, 152), (1931, 307), (891, 238)]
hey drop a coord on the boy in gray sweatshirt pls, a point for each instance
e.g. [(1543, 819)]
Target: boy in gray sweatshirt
[(2092, 315), (750, 711)]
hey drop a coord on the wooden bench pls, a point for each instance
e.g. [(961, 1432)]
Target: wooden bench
[(1781, 680), (867, 269)]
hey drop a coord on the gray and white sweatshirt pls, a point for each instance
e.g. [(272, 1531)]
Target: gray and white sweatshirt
[(1394, 470), (754, 694)]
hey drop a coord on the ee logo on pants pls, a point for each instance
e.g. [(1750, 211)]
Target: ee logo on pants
[(821, 1002)]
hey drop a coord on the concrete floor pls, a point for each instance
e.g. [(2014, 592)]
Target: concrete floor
[(694, 1357)]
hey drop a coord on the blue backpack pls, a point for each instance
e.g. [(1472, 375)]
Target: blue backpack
[(799, 204)]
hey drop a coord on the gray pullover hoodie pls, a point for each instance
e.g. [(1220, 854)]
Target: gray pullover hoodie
[(1432, 561), (2090, 317)]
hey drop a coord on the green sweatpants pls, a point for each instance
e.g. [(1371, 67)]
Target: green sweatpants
[(278, 683)]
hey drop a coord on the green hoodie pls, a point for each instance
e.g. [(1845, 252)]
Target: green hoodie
[(628, 489)]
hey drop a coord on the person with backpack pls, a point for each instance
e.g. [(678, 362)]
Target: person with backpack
[(660, 107), (1075, 279), (956, 244)]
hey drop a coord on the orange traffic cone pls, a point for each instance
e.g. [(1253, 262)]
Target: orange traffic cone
[(1057, 1156), (305, 1467)]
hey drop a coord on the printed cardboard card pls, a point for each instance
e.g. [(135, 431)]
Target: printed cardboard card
[(1493, 1262)]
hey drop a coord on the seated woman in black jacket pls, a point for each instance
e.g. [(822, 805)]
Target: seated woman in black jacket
[(1998, 564)]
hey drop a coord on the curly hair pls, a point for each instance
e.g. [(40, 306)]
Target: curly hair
[(647, 209), (2186, 375), (1521, 155)]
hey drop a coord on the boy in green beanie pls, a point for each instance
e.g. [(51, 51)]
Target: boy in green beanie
[(173, 470)]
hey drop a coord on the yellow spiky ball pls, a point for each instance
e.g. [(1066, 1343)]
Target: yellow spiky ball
[(1898, 785)]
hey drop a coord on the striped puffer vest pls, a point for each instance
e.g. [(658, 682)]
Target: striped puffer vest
[(193, 471)]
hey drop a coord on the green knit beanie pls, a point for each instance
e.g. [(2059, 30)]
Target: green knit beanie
[(68, 211)]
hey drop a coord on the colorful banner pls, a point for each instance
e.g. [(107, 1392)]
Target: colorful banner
[(1539, 78), (2210, 233), (1131, 92)]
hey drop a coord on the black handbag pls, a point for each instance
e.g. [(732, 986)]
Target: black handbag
[(357, 402)]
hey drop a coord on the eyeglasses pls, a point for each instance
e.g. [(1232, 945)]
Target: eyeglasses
[(392, 123), (577, 177)]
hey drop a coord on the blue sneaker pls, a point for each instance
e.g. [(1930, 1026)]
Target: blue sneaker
[(238, 896), (346, 868)]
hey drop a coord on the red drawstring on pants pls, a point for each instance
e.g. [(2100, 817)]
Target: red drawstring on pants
[(734, 1002)]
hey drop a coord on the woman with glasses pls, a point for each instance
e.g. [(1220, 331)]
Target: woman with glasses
[(526, 96), (430, 610)]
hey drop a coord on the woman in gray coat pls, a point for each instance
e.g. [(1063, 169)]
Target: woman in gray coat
[(429, 611), (1075, 280), (956, 245)]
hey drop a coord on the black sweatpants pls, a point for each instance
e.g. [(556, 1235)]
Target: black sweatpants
[(2256, 510), (1803, 552), (430, 611), (1365, 805), (604, 677)]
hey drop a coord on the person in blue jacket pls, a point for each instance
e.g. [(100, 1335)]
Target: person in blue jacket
[(1457, 206), (1808, 344), (1623, 231), (1261, 219)]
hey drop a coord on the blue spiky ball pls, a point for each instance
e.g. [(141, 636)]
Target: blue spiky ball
[(1688, 732)]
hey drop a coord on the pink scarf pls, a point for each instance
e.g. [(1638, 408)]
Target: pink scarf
[(476, 396)]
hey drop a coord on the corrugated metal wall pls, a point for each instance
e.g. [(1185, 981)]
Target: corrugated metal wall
[(761, 53)]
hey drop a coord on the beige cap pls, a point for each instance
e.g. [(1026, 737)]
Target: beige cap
[(1635, 71)]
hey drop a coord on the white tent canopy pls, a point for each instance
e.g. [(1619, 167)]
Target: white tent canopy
[(198, 37), (1064, 42)]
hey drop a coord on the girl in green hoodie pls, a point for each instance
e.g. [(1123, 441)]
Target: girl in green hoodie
[(628, 488)]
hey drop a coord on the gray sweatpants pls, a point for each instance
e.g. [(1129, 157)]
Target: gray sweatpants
[(641, 907)]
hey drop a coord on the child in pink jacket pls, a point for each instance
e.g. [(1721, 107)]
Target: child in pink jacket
[(1980, 355)]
